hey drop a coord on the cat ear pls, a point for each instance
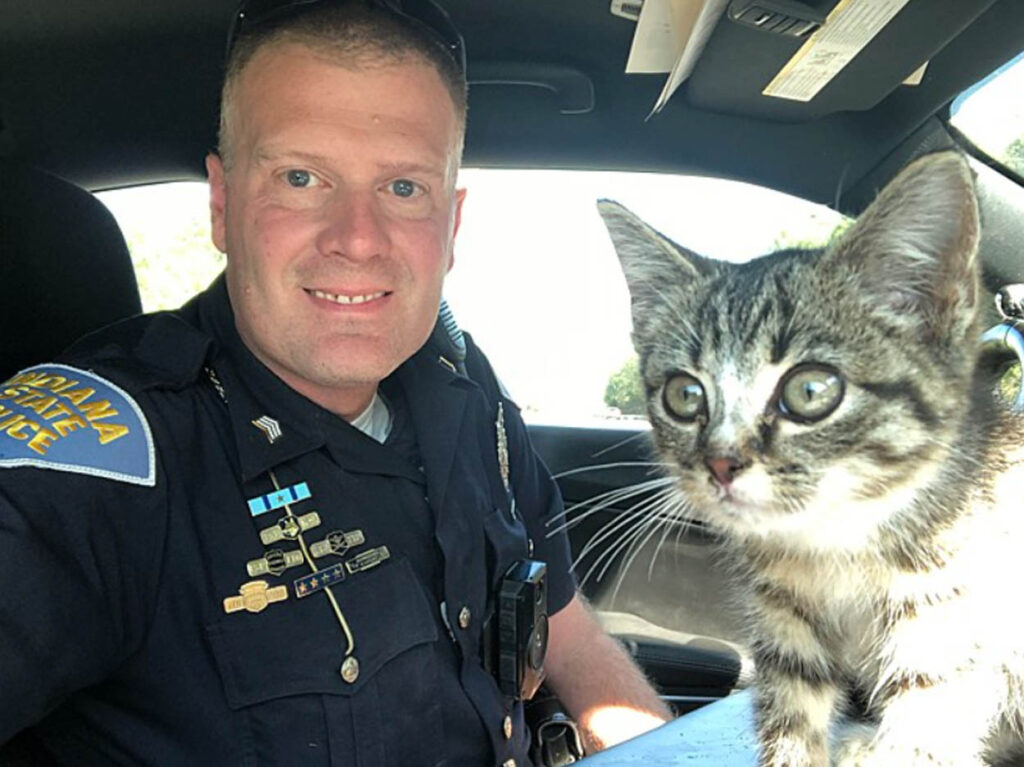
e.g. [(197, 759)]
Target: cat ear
[(914, 250), (650, 260)]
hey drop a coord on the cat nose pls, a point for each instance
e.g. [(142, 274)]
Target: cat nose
[(725, 468)]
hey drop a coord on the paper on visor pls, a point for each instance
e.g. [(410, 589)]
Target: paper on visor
[(670, 36)]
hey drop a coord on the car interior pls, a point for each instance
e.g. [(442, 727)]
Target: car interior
[(109, 94)]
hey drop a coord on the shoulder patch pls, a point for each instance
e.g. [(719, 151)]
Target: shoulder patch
[(63, 418)]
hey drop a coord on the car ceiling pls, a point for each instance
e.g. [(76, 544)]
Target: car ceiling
[(115, 92)]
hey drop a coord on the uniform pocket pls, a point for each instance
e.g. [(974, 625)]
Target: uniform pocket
[(296, 647), (281, 668)]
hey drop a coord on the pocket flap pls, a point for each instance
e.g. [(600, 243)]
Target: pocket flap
[(297, 647)]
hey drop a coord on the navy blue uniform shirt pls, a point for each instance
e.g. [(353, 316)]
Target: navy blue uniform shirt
[(137, 477)]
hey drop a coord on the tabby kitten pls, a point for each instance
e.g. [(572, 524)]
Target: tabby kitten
[(827, 412)]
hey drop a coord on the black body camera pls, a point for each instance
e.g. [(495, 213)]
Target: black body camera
[(519, 631)]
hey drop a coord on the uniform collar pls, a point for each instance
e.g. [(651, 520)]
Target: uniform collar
[(435, 395), (291, 425)]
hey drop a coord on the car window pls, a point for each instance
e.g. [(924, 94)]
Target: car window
[(536, 280), (167, 228), (991, 115)]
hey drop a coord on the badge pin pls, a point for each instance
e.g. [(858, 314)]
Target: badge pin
[(271, 429), (217, 385), (367, 559), (337, 542), (499, 425), (279, 498), (274, 563), (289, 528), (318, 581), (254, 597)]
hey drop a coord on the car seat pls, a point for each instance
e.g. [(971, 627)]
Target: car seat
[(64, 266)]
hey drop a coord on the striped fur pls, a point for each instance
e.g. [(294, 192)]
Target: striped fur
[(872, 548)]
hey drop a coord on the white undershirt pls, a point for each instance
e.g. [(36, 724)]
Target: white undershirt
[(375, 421)]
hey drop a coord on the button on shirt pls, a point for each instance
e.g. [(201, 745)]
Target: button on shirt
[(131, 655)]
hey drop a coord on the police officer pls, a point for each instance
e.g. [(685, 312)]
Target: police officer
[(269, 528)]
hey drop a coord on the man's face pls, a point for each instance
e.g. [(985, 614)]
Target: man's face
[(337, 214)]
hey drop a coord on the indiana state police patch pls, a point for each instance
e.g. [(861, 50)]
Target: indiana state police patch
[(59, 417)]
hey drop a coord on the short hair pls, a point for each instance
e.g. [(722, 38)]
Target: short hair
[(351, 33)]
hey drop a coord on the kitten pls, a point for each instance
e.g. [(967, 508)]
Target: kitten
[(826, 412)]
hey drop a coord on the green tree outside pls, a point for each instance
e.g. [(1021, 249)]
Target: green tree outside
[(785, 240), (1010, 383), (1013, 157), (624, 390), (171, 270)]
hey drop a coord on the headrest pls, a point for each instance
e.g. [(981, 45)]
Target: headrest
[(64, 267)]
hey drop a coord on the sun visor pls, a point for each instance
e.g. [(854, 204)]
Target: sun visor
[(863, 52)]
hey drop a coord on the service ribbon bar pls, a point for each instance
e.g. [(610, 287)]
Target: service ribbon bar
[(279, 498), (310, 584)]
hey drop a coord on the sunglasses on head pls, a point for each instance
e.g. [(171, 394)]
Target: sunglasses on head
[(423, 14)]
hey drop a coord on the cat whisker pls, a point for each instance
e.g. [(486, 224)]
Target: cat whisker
[(619, 494), (632, 552), (612, 465), (638, 544), (580, 518), (610, 530), (603, 501), (637, 517), (840, 186), (651, 512), (629, 515), (639, 435), (685, 520), (627, 545), (609, 554), (676, 519)]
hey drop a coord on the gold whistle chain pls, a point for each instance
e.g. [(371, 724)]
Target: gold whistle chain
[(312, 566)]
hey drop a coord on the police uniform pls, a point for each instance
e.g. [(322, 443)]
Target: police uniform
[(158, 489)]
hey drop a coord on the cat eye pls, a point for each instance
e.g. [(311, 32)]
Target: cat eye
[(684, 398), (809, 393)]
